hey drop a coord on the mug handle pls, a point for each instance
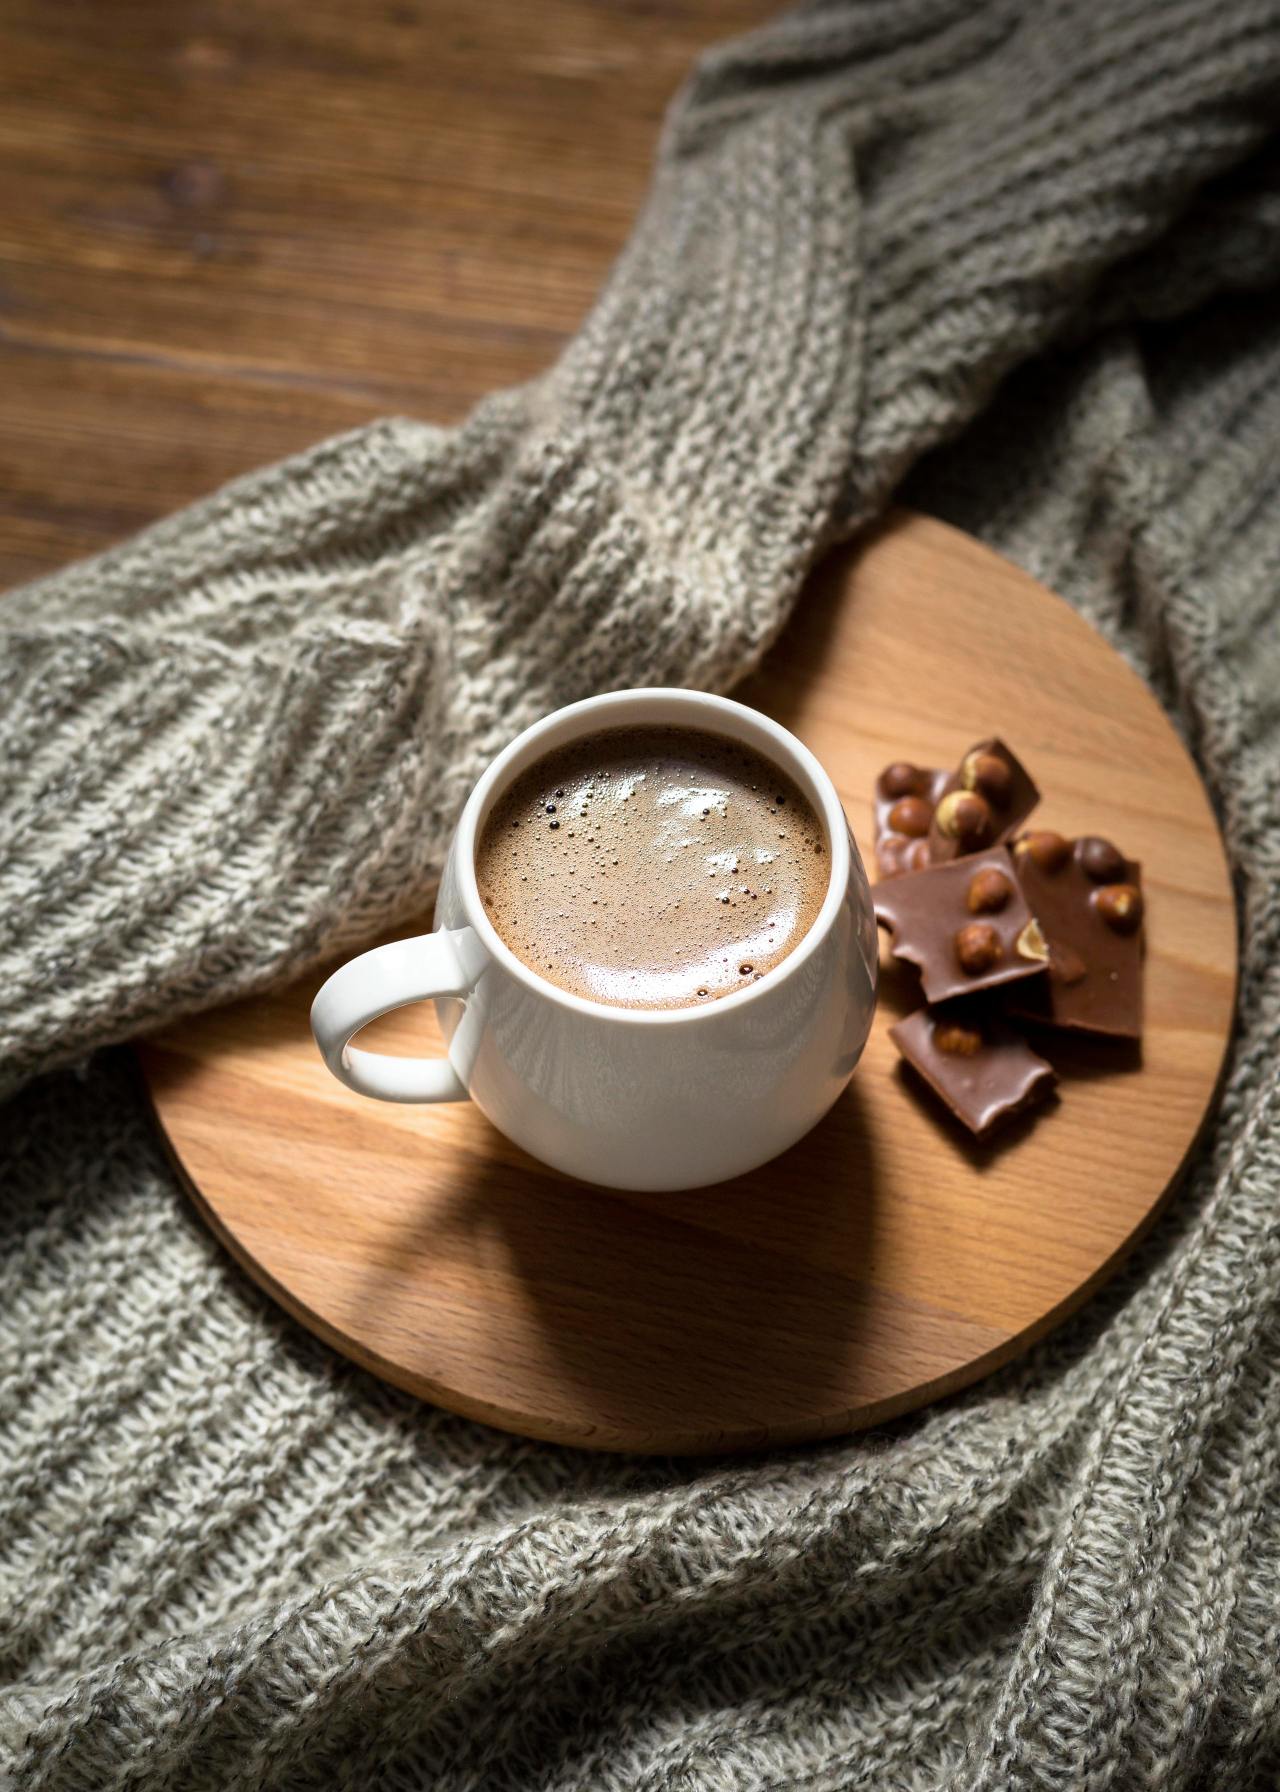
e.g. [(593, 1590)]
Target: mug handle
[(390, 977)]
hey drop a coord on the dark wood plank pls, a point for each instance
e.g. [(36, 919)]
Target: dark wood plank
[(228, 231)]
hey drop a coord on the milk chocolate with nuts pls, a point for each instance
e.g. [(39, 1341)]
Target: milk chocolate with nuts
[(984, 1072), (984, 803), (966, 925), (1088, 900), (905, 797)]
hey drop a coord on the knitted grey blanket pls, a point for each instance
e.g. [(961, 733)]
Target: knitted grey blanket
[(1023, 257)]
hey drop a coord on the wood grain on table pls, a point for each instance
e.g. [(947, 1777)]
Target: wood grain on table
[(228, 231)]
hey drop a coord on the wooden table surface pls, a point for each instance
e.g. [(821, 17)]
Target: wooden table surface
[(227, 231)]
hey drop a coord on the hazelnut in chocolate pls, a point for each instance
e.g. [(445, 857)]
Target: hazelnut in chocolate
[(965, 925), (1088, 900), (984, 802), (905, 796), (1001, 924), (984, 1072)]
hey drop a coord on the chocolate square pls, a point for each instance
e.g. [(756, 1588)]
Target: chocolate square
[(984, 803), (1088, 900), (966, 925), (981, 1069), (905, 798)]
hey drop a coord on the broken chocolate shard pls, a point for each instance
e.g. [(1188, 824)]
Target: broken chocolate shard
[(983, 1071), (1088, 902), (900, 849), (945, 921), (983, 803)]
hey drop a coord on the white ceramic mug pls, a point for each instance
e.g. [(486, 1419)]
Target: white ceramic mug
[(629, 1098)]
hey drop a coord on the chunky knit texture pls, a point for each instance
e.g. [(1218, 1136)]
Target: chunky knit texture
[(228, 1559)]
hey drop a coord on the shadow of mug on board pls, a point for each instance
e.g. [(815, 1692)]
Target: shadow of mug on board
[(676, 1315)]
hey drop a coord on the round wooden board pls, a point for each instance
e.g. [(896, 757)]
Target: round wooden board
[(883, 1261)]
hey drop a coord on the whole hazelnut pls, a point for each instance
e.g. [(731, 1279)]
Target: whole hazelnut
[(957, 1041), (901, 779), (1047, 851), (916, 857), (989, 774), (1100, 860), (964, 816), (1120, 906), (911, 815), (989, 890), (978, 948)]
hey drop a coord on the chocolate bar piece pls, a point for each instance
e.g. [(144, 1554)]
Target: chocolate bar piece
[(1087, 898), (966, 925), (984, 803), (905, 798), (982, 1071)]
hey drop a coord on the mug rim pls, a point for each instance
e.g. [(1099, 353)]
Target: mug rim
[(782, 746)]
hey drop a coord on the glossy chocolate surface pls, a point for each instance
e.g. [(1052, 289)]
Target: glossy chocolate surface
[(897, 852), (1094, 982), (935, 915), (981, 1069), (996, 783)]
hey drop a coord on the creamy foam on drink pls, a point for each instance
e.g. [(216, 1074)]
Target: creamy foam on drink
[(653, 867)]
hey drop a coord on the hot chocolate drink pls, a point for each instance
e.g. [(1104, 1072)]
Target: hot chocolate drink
[(653, 867)]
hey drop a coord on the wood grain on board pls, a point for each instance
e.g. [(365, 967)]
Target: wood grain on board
[(884, 1260)]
